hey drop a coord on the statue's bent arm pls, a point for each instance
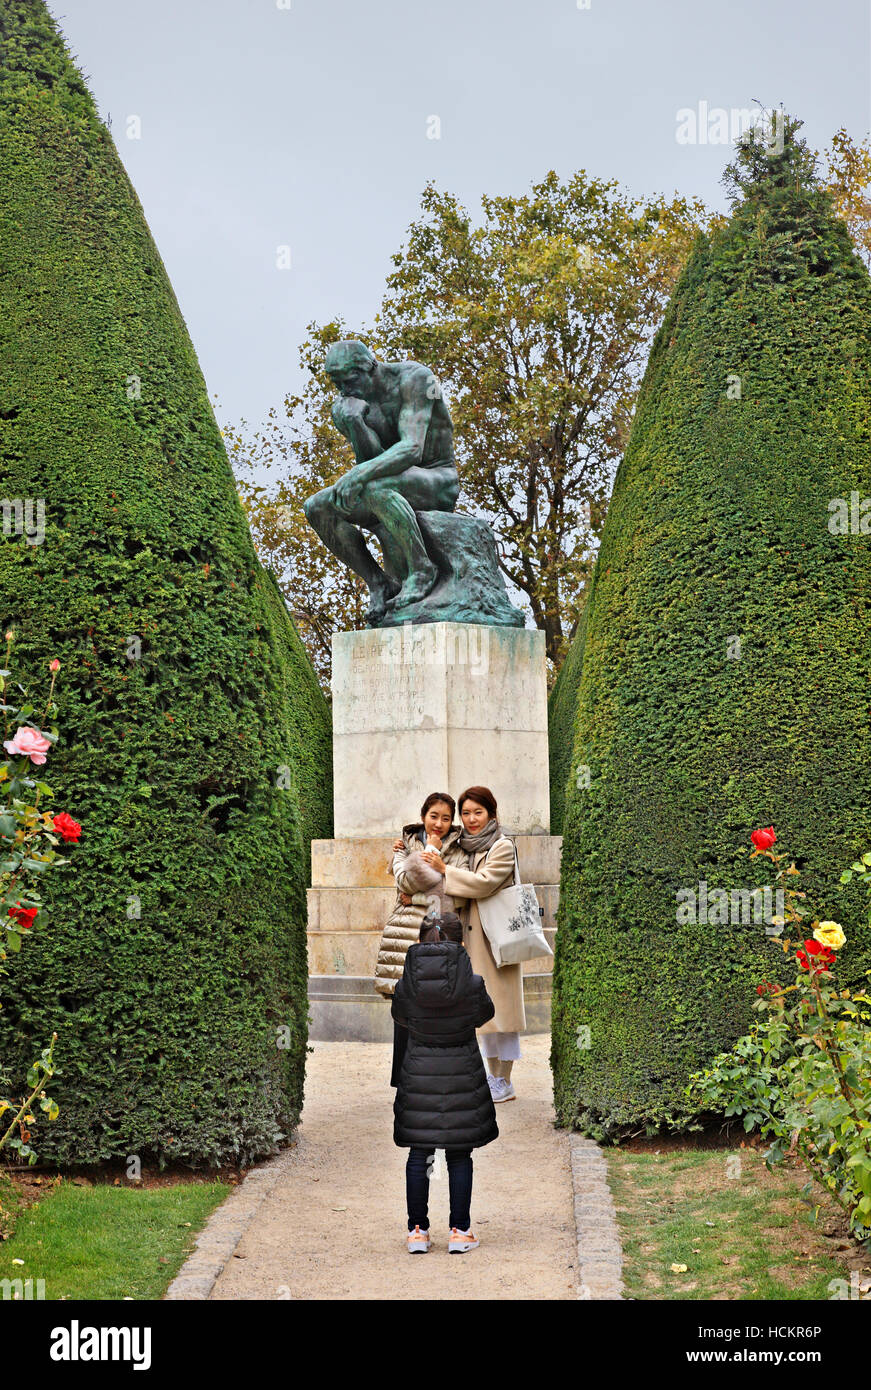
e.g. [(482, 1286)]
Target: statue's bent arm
[(415, 413), (364, 441)]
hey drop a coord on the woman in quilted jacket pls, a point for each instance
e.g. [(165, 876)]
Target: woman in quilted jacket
[(436, 830), (442, 1097)]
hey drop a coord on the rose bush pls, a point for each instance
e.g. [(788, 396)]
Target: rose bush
[(28, 850), (803, 1073)]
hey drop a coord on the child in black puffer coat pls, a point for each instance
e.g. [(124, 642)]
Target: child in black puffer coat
[(442, 1100)]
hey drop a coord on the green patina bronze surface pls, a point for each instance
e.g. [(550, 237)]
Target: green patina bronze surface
[(435, 568)]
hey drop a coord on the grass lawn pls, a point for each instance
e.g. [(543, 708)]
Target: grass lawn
[(742, 1232), (100, 1240)]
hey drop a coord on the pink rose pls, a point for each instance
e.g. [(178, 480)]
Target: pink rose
[(29, 742)]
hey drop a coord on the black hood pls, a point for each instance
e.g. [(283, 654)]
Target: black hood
[(437, 976)]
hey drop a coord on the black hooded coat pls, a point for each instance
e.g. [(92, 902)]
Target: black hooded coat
[(442, 1099)]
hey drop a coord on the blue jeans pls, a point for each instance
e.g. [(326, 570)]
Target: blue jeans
[(459, 1185)]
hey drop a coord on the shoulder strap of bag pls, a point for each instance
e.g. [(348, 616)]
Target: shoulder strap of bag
[(517, 878)]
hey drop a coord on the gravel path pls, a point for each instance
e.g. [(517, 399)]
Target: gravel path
[(334, 1224)]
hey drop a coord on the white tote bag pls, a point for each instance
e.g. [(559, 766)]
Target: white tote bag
[(511, 920)]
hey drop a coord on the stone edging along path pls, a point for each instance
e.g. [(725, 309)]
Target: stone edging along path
[(225, 1228), (600, 1257)]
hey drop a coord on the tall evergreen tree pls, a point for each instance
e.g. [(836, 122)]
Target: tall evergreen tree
[(724, 680), (194, 739)]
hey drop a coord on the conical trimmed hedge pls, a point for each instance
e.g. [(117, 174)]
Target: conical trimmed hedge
[(561, 709), (726, 661), (194, 740)]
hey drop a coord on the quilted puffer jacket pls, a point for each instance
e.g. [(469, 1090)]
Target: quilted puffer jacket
[(403, 925), (442, 1099)]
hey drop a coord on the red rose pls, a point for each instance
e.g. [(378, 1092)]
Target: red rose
[(66, 827), (23, 916), (764, 839), (825, 957), (766, 988)]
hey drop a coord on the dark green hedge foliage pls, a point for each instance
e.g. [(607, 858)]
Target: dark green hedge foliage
[(719, 528), (173, 759), (561, 706)]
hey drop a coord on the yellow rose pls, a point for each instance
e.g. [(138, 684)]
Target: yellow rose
[(830, 934)]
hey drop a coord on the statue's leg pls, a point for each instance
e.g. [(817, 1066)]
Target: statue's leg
[(346, 541), (394, 560), (393, 502)]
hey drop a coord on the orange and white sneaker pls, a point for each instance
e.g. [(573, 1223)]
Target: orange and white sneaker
[(418, 1241), (461, 1241)]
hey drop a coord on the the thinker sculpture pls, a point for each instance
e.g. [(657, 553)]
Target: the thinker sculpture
[(437, 565)]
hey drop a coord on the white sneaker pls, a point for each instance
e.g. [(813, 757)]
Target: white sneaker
[(502, 1090), (418, 1241), (493, 1083), (461, 1241)]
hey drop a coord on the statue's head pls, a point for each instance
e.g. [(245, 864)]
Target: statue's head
[(350, 364)]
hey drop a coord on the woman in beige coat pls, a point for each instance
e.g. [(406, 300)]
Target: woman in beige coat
[(491, 867)]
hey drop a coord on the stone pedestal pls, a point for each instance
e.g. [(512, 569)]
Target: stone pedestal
[(438, 707), (421, 708)]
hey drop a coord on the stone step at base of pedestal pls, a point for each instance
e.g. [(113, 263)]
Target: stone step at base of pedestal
[(346, 1008), (355, 953), (364, 862), (367, 909)]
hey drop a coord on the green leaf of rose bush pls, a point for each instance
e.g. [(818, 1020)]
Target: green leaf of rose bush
[(802, 1075), (29, 836)]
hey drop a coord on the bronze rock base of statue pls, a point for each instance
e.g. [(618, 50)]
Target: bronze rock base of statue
[(469, 587)]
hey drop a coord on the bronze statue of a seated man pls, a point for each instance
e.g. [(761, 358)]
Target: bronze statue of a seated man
[(399, 427)]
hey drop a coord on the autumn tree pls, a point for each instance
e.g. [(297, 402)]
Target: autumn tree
[(847, 174), (537, 319), (537, 322)]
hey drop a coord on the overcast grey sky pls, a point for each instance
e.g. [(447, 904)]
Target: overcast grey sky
[(306, 124)]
